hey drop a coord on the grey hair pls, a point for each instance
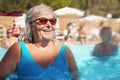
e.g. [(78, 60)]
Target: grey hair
[(32, 14)]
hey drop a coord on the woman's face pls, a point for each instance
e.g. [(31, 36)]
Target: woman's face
[(44, 26)]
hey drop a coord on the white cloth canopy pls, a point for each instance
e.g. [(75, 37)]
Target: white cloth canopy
[(93, 18), (69, 10), (20, 21), (57, 24)]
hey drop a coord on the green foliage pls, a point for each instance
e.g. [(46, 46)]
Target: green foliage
[(98, 7), (55, 4), (9, 5), (117, 13), (80, 4)]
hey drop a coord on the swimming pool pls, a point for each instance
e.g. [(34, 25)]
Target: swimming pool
[(2, 52), (91, 68)]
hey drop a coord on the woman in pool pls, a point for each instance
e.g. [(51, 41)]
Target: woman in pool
[(106, 47), (41, 58), (9, 40)]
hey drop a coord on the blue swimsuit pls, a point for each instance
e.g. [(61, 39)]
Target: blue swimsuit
[(29, 69)]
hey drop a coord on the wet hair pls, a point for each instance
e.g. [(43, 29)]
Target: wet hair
[(33, 14), (104, 28)]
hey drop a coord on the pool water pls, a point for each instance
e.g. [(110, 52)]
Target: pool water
[(2, 52), (91, 68)]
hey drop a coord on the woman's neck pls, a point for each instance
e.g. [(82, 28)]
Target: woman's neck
[(42, 42)]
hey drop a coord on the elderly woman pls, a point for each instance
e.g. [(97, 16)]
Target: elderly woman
[(41, 58)]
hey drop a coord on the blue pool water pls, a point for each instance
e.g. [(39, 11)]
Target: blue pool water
[(92, 68), (2, 52)]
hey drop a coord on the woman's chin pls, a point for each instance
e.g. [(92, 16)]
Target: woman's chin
[(48, 38)]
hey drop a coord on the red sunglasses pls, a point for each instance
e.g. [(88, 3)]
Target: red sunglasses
[(43, 21)]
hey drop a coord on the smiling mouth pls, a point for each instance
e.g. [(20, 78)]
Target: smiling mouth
[(47, 30)]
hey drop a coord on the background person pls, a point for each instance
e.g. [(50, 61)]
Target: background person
[(116, 38), (41, 57), (106, 47), (9, 40), (15, 29), (82, 34)]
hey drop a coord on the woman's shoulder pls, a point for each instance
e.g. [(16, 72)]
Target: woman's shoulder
[(15, 45), (15, 50)]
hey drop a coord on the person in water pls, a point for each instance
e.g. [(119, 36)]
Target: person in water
[(106, 47), (40, 57), (82, 34), (9, 40)]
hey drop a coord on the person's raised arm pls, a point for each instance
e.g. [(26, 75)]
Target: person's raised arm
[(10, 61)]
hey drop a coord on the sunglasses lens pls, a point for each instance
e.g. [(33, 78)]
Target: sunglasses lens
[(43, 21), (52, 21)]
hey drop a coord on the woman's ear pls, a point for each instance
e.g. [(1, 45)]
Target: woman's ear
[(32, 26)]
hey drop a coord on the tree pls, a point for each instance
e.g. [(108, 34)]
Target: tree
[(98, 7), (55, 4), (88, 5), (26, 4)]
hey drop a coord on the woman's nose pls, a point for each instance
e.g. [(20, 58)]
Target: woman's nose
[(48, 24)]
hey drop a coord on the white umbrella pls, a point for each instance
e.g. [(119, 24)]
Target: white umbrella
[(20, 21), (69, 10), (57, 24), (93, 18)]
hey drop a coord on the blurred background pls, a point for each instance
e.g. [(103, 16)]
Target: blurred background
[(98, 7), (89, 12)]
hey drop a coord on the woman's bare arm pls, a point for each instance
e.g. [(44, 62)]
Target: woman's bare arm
[(10, 60), (72, 63)]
